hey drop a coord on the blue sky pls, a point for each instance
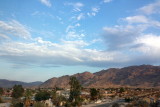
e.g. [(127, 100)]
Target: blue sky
[(40, 39)]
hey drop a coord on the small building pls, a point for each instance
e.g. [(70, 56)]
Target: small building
[(49, 103)]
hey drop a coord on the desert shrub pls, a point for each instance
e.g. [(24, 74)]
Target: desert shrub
[(128, 99), (39, 104), (115, 105)]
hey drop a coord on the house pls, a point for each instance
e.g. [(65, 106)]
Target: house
[(49, 103)]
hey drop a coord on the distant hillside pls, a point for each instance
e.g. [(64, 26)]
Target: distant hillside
[(8, 84), (133, 76)]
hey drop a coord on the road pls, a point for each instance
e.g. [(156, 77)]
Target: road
[(103, 104), (98, 105)]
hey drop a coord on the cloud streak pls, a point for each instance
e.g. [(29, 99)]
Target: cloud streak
[(152, 8), (107, 1), (46, 2), (13, 29), (76, 6)]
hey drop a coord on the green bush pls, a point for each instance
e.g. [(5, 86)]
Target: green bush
[(18, 105), (39, 104), (115, 105), (128, 99), (42, 95)]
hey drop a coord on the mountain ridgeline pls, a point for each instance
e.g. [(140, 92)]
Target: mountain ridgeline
[(143, 76), (133, 76), (9, 84)]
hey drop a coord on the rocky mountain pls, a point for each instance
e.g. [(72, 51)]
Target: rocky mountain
[(9, 84), (133, 76)]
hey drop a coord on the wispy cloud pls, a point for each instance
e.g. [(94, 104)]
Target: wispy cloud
[(46, 2), (151, 8), (14, 28), (94, 11), (80, 16), (76, 6), (71, 35), (143, 21), (107, 1), (2, 37), (137, 19)]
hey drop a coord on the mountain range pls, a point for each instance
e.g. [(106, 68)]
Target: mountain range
[(132, 76), (9, 83)]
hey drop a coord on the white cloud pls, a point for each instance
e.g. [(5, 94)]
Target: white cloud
[(46, 2), (14, 28), (77, 43), (77, 25), (46, 53), (80, 16), (96, 40), (107, 1), (70, 27), (137, 19), (40, 52), (155, 23), (71, 35), (149, 44), (151, 8), (2, 36), (142, 21), (94, 11), (76, 6), (133, 45)]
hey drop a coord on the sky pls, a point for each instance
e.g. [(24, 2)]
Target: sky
[(41, 39)]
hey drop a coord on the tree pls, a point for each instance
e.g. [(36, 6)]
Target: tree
[(1, 91), (20, 104), (121, 90), (42, 95), (75, 91), (17, 91), (54, 96), (28, 93), (57, 99), (94, 93), (16, 94)]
